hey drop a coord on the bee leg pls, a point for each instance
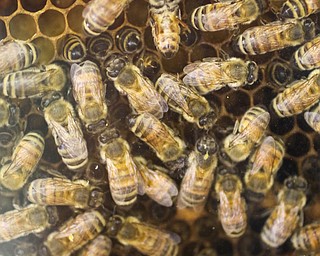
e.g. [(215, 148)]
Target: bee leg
[(223, 54), (301, 219)]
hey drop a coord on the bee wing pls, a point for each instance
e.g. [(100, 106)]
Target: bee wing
[(204, 74), (223, 15), (148, 231), (114, 173), (81, 88), (301, 93), (312, 118), (14, 169), (250, 128), (268, 146), (159, 187), (71, 138), (312, 55), (151, 97)]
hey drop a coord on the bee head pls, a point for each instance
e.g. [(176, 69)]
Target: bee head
[(114, 64), (309, 29), (296, 183), (108, 135), (49, 98), (208, 120), (253, 69), (207, 145), (114, 225), (131, 120), (96, 127), (96, 198), (53, 215)]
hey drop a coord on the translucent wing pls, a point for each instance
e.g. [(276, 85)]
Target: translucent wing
[(267, 151), (313, 120), (312, 55)]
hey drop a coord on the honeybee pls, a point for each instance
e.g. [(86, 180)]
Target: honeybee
[(149, 63), (9, 113), (99, 46), (129, 40), (73, 49), (274, 36), (296, 9), (199, 176), (17, 55), (98, 15), (114, 63), (66, 130), (140, 91), (298, 96), (312, 117), (263, 165), (75, 233), (246, 133), (58, 191), (279, 73), (212, 74), (33, 82), (24, 160), (307, 238), (100, 246), (232, 207), (156, 183), (285, 217), (307, 57), (31, 219), (164, 22), (122, 173), (89, 92), (186, 101), (227, 15), (157, 135), (143, 237)]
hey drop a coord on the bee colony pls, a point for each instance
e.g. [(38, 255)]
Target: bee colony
[(159, 127)]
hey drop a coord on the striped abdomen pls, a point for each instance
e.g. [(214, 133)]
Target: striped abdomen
[(122, 181), (307, 238), (280, 225), (24, 161), (100, 246), (299, 96), (75, 233), (100, 14), (196, 183), (56, 191), (16, 55), (148, 240), (312, 117), (254, 123), (296, 9), (18, 223), (307, 57)]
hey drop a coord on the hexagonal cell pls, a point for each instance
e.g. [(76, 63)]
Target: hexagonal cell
[(297, 144), (138, 14), (3, 30), (7, 7), (303, 124), (288, 168), (18, 25), (237, 102), (37, 122), (202, 51), (189, 36), (46, 49), (148, 39), (310, 170), (32, 5), (177, 63), (62, 3), (281, 126), (263, 96), (75, 19), (52, 23)]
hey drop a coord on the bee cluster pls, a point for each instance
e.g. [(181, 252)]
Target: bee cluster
[(134, 127)]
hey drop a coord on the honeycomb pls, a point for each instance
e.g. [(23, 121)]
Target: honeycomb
[(47, 22)]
